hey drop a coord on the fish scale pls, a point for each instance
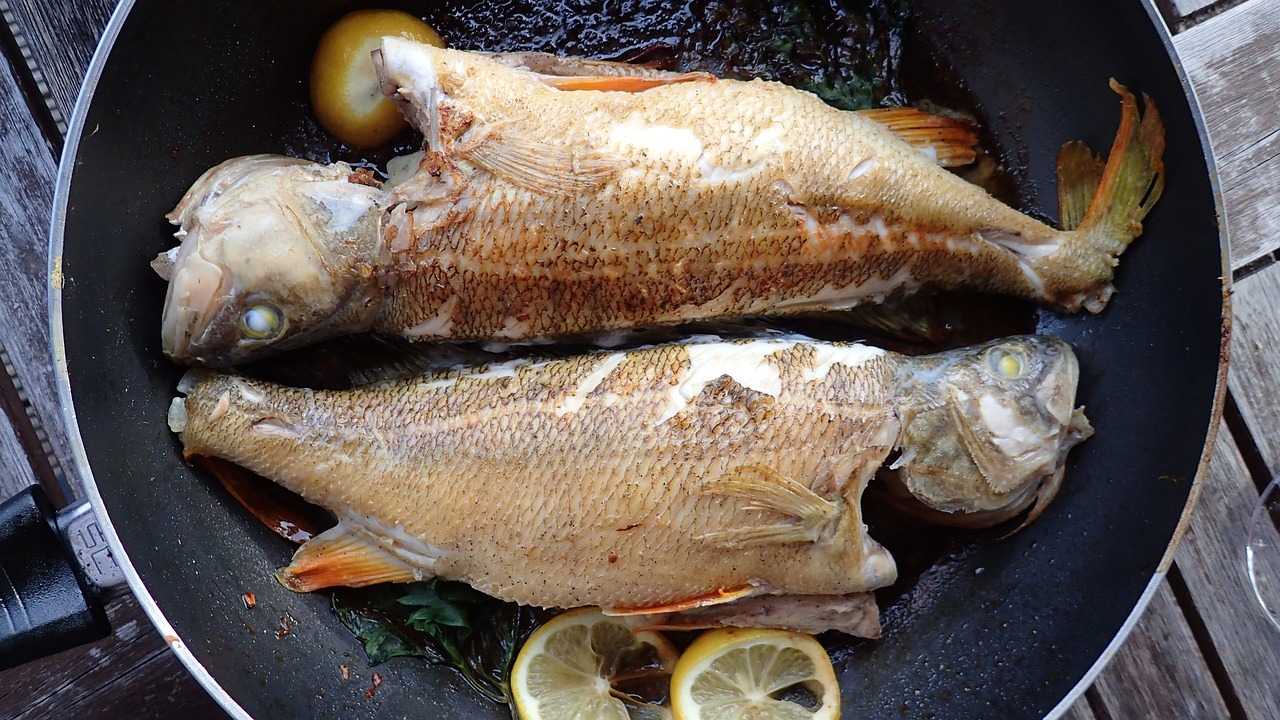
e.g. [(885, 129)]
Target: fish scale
[(640, 478), (542, 212)]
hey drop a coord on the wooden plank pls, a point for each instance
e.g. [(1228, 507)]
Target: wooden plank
[(58, 42), (1237, 636), (24, 222), (1080, 711), (15, 470), (1175, 9), (1233, 61), (1160, 672), (1255, 359), (61, 38), (1183, 8), (130, 674)]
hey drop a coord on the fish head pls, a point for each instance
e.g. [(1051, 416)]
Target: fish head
[(986, 429), (276, 252)]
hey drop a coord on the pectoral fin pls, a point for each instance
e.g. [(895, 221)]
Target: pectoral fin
[(770, 490), (718, 597), (538, 166), (337, 557), (951, 140)]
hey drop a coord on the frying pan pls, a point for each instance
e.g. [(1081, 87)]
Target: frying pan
[(1004, 627)]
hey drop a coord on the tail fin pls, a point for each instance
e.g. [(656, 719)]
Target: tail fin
[(1106, 204), (1079, 175)]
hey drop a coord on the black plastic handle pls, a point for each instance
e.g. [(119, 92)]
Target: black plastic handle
[(45, 604)]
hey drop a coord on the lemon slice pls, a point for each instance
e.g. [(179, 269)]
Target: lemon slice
[(741, 674), (583, 664), (345, 94)]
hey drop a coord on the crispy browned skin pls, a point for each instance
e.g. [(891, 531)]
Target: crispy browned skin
[(648, 478), (540, 212), (528, 499)]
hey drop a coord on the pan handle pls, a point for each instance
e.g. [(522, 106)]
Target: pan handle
[(48, 602)]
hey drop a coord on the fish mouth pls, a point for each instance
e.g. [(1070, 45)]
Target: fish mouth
[(198, 295)]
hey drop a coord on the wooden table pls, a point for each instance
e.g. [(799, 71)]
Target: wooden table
[(1202, 650)]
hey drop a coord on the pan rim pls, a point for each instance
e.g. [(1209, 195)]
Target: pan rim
[(66, 167), (1220, 383), (57, 225)]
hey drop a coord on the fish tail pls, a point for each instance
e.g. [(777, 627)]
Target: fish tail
[(1106, 204)]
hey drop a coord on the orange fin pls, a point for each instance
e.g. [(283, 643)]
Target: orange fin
[(337, 557), (950, 140), (1133, 177), (1079, 175), (717, 597), (632, 84)]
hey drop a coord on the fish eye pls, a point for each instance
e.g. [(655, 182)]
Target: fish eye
[(1005, 363), (261, 322)]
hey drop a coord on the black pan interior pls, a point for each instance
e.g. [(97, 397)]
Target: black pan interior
[(1003, 629)]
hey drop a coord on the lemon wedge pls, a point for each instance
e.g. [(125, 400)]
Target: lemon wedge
[(583, 664), (744, 674), (345, 95)]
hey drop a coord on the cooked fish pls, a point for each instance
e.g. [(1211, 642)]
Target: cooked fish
[(551, 204), (665, 481)]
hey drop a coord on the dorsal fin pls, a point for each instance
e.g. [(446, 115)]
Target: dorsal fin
[(949, 140), (631, 84)]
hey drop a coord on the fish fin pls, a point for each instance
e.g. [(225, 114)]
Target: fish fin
[(570, 65), (952, 140), (1079, 174), (1078, 431), (914, 319), (1132, 180), (540, 167), (1131, 183), (337, 557), (854, 614), (770, 490), (613, 83), (716, 597), (780, 534)]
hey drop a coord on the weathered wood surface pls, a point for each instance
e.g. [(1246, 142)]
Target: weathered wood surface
[(58, 35), (1208, 664), (1255, 360), (23, 212), (25, 205), (131, 674), (1160, 673), (1234, 65), (1175, 9), (1211, 564), (1080, 711)]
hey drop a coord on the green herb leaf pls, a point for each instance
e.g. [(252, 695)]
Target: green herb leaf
[(444, 623), (380, 632)]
